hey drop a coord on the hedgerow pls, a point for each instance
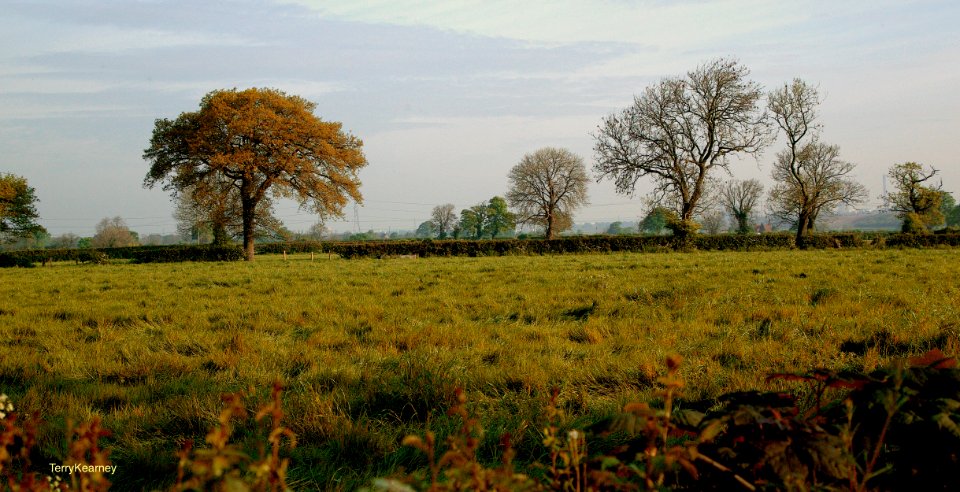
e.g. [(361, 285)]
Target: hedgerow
[(8, 260), (567, 244), (189, 253), (139, 254), (488, 247), (922, 240)]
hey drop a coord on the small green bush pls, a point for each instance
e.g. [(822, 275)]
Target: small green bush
[(8, 260)]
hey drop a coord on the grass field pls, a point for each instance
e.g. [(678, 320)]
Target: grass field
[(371, 350)]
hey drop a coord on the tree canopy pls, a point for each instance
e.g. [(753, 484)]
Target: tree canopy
[(813, 181), (473, 220), (950, 209), (740, 198), (655, 221), (18, 209), (678, 130), (425, 230), (546, 187), (915, 198), (113, 233), (443, 217), (262, 143), (500, 219)]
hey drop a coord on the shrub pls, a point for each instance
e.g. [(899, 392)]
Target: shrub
[(565, 244), (923, 240), (827, 241), (744, 242), (188, 253), (222, 466), (913, 224), (897, 428), (8, 260)]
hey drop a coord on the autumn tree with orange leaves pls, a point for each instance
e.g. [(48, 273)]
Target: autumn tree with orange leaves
[(262, 143)]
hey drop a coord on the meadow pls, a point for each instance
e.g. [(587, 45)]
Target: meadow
[(372, 350)]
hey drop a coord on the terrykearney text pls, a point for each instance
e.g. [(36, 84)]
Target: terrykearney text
[(83, 468)]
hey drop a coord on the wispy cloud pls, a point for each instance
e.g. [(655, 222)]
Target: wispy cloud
[(685, 23)]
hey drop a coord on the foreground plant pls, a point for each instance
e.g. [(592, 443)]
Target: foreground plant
[(87, 463), (657, 451), (896, 428), (224, 465)]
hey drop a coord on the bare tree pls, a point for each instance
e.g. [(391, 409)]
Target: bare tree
[(810, 176), (443, 217), (318, 231), (794, 109), (113, 233), (679, 130), (65, 241), (916, 202), (713, 221), (740, 199), (546, 187), (809, 182)]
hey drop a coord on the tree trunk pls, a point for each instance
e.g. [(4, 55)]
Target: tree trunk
[(743, 225), (549, 231), (220, 236), (683, 232), (802, 223), (249, 213)]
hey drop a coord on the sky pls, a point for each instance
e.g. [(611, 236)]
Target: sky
[(447, 96)]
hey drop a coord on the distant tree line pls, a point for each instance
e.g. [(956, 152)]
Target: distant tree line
[(226, 164), (680, 131)]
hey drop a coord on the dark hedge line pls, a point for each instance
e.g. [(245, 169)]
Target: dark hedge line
[(922, 240), (8, 260), (140, 254), (189, 253), (569, 244), (495, 247), (826, 241)]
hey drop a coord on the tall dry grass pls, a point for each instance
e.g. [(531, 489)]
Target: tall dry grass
[(371, 350)]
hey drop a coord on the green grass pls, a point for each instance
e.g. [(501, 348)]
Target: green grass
[(371, 350)]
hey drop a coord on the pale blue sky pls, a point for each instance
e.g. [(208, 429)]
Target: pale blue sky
[(447, 96)]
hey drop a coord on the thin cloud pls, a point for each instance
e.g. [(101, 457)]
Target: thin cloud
[(677, 24)]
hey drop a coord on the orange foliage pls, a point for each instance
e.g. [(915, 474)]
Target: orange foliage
[(258, 143)]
